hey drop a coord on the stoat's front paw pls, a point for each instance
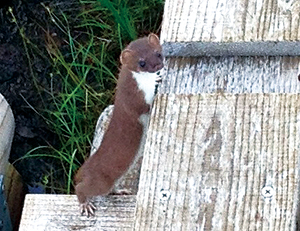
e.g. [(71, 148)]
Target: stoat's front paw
[(87, 208)]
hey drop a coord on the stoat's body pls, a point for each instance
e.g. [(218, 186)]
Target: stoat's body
[(141, 62)]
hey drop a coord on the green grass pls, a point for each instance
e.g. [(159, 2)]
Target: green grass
[(83, 53)]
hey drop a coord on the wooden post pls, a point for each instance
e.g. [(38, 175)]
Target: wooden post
[(7, 128), (13, 185)]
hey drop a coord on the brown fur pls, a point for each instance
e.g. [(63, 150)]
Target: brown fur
[(122, 139)]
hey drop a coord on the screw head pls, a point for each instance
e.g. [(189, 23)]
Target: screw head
[(164, 195), (267, 192)]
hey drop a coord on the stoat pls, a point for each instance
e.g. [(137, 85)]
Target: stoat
[(141, 64)]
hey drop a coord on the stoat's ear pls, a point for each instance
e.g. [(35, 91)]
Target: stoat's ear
[(153, 40), (126, 56)]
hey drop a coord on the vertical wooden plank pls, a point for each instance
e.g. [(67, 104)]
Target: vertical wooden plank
[(221, 162)]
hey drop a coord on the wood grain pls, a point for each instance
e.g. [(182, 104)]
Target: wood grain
[(231, 75), (61, 212), (231, 27), (7, 129), (209, 159)]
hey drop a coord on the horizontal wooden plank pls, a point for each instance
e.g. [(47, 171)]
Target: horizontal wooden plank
[(221, 162), (231, 75), (231, 27), (61, 212)]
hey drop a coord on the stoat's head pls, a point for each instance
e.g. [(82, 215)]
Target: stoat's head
[(143, 55)]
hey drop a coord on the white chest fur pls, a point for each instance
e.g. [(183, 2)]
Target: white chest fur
[(146, 82)]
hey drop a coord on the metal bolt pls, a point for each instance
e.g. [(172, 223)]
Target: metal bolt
[(164, 195), (267, 192)]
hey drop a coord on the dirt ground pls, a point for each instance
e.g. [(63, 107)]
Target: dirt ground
[(17, 87)]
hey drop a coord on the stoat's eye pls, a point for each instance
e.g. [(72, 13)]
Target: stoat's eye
[(142, 63), (158, 54)]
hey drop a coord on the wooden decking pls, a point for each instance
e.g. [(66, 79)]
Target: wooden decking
[(222, 151)]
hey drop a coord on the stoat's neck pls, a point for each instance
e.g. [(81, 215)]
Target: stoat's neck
[(146, 83)]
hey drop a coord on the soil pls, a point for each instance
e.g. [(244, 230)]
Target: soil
[(17, 87)]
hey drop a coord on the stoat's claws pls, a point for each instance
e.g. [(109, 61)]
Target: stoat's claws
[(87, 208), (158, 79)]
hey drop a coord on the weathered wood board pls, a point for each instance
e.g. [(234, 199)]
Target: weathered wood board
[(231, 27), (61, 212), (231, 74), (7, 129), (221, 162)]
